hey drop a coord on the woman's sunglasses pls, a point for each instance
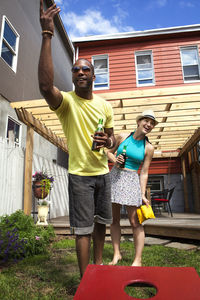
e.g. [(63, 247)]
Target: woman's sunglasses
[(76, 69)]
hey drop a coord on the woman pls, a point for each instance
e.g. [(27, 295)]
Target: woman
[(127, 188)]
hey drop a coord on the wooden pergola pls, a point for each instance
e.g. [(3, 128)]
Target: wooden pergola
[(176, 108)]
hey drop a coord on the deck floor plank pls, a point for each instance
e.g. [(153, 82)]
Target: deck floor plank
[(181, 225)]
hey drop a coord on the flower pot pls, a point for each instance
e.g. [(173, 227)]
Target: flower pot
[(42, 214), (39, 189)]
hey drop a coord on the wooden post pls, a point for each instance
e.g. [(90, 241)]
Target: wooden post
[(195, 153), (28, 171), (183, 165), (195, 172), (190, 160)]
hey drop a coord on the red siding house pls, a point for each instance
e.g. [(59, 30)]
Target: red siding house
[(144, 68)]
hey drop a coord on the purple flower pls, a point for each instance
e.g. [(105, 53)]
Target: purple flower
[(42, 175)]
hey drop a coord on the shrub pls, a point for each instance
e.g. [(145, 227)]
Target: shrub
[(20, 237)]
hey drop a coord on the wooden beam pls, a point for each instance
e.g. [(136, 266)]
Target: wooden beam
[(28, 171), (29, 103), (176, 123), (195, 89), (176, 110), (171, 133), (191, 143), (185, 188), (31, 121), (161, 154)]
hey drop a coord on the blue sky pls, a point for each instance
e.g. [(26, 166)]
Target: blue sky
[(84, 18)]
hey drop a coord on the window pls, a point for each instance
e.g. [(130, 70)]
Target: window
[(156, 183), (190, 63), (101, 72), (9, 44), (13, 131), (144, 68)]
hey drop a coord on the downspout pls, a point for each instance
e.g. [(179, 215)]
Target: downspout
[(76, 53)]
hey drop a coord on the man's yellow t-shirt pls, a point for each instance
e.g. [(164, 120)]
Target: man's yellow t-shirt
[(79, 118)]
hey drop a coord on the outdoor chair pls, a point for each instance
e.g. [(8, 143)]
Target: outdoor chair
[(162, 197)]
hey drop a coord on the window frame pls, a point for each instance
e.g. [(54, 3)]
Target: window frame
[(182, 66), (99, 87), (14, 52), (141, 53), (160, 178), (20, 130)]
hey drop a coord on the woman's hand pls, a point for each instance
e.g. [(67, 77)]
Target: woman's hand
[(145, 201), (119, 159)]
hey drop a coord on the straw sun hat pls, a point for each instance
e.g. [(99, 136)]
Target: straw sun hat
[(147, 114)]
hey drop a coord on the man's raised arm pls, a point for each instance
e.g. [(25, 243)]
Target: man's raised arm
[(45, 68)]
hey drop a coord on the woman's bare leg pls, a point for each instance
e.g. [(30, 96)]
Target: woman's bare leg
[(115, 231), (138, 235)]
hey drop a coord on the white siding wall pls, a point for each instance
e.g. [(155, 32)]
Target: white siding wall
[(12, 179)]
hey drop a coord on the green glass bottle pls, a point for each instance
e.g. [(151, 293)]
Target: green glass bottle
[(124, 155), (99, 129)]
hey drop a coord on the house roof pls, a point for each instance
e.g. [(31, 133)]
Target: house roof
[(177, 110), (136, 34)]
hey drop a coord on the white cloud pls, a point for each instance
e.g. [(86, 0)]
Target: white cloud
[(161, 2), (156, 3), (91, 22), (59, 2), (186, 4)]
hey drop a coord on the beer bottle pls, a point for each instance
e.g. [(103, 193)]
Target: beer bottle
[(99, 129), (124, 156)]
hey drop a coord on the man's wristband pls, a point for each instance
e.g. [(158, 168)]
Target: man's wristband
[(47, 31)]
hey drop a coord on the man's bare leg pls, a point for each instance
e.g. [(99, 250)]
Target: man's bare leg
[(98, 242), (83, 243)]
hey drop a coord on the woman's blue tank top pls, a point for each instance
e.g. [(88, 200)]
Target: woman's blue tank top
[(135, 152)]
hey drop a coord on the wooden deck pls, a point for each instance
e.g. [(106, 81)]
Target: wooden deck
[(182, 225)]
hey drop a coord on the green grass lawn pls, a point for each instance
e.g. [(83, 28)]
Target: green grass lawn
[(56, 275)]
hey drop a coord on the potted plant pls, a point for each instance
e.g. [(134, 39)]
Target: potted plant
[(42, 184)]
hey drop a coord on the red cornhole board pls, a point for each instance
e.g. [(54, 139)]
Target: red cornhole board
[(109, 282)]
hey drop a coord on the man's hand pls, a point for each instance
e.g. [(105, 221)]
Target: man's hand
[(46, 17), (102, 139)]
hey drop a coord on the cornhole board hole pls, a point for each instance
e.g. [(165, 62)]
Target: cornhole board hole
[(109, 282)]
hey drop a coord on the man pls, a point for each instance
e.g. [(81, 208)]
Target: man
[(79, 112)]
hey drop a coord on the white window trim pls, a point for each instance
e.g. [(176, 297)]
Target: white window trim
[(102, 56), (2, 39), (190, 47), (160, 178), (139, 53), (20, 129)]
